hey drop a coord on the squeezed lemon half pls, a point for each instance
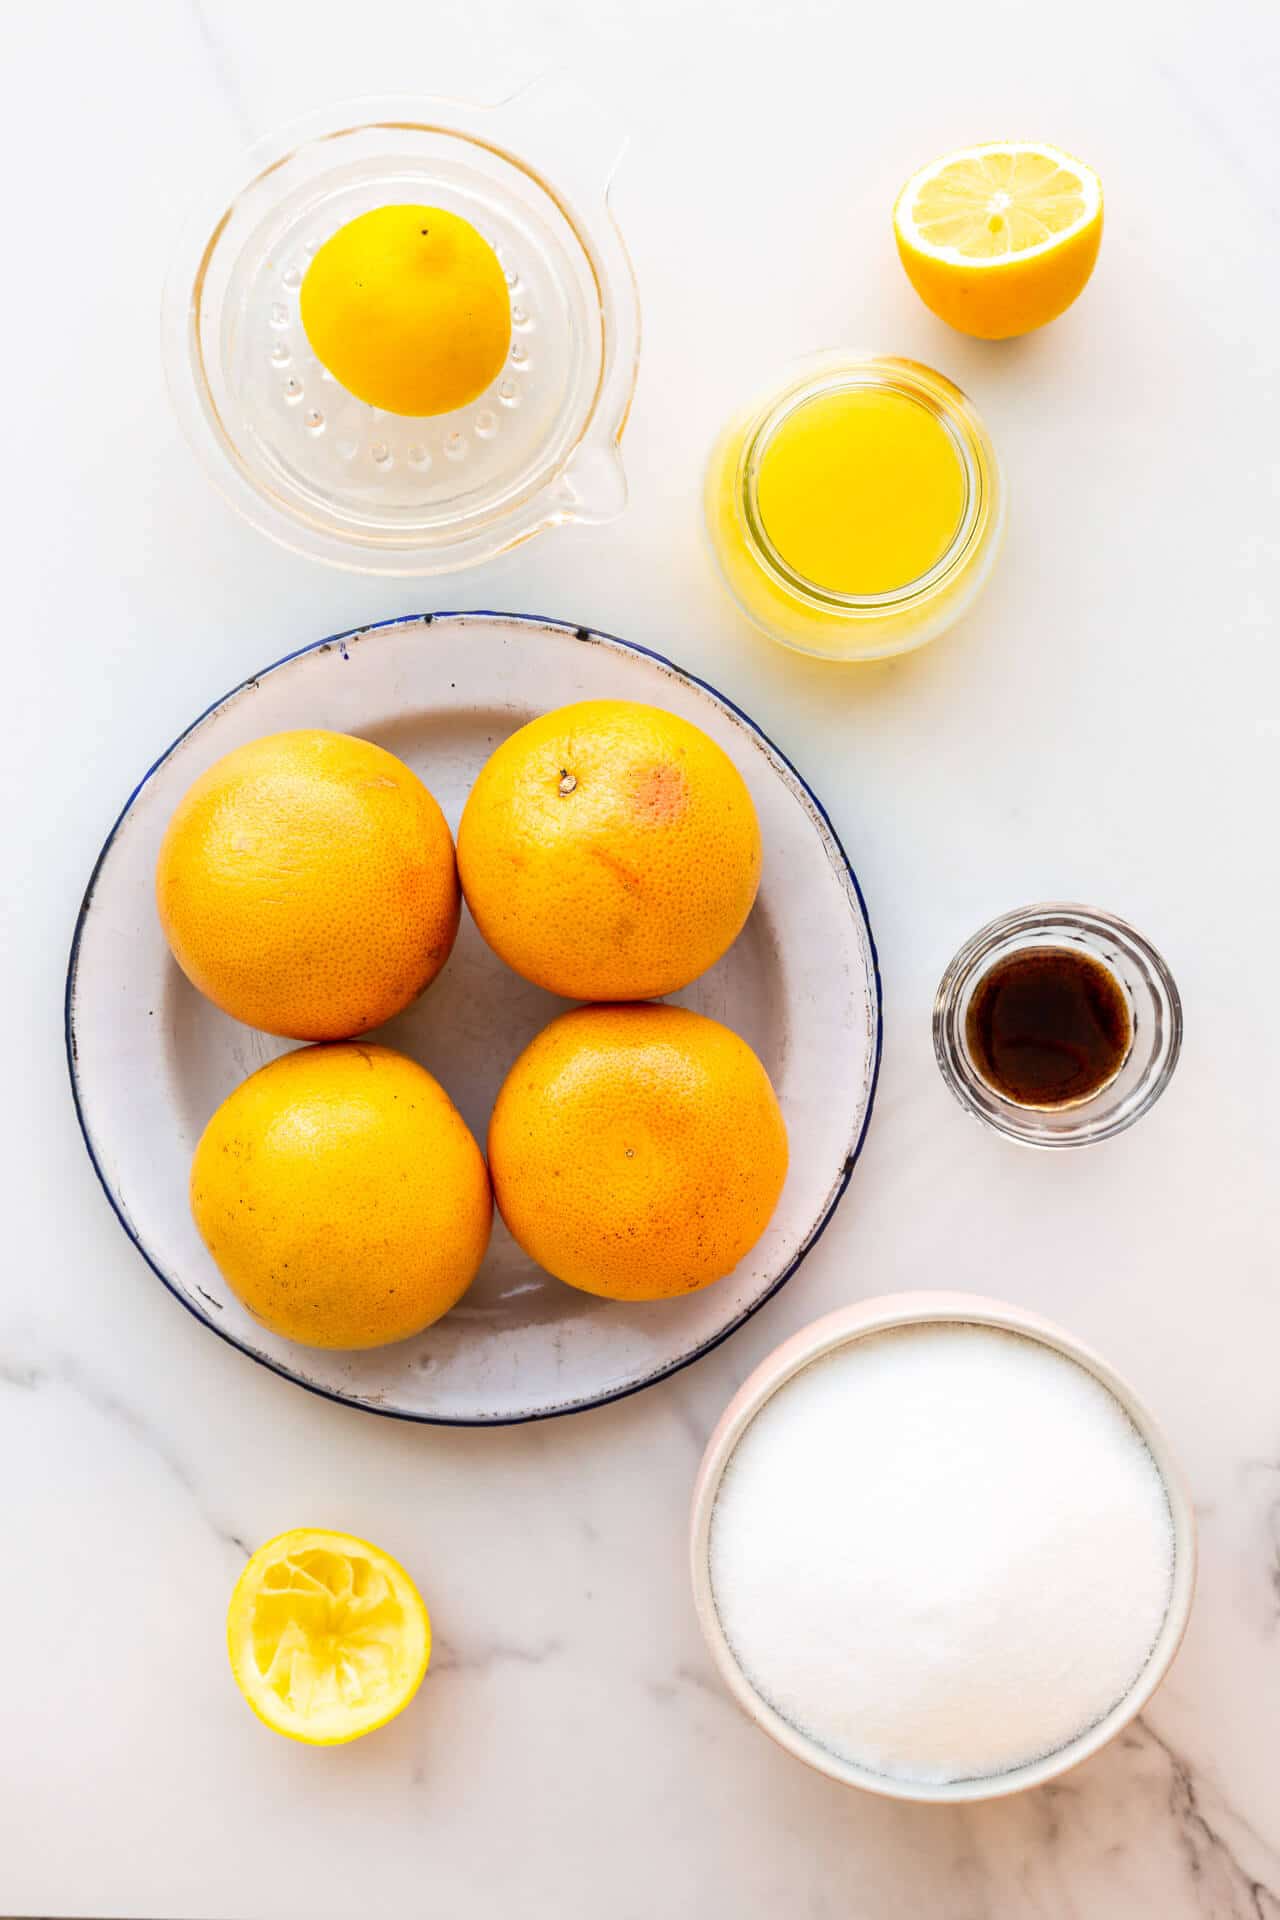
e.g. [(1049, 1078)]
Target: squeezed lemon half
[(1000, 239), (328, 1636)]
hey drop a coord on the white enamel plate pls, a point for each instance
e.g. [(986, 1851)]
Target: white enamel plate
[(151, 1059)]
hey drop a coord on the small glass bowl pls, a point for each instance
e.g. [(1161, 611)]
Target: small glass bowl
[(322, 472), (801, 614), (1155, 1012)]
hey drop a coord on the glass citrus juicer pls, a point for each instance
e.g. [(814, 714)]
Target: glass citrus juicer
[(352, 484)]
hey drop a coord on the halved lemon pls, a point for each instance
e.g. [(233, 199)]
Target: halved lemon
[(408, 308), (999, 239), (328, 1636)]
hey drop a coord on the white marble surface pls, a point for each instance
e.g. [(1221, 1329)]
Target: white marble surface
[(1104, 728)]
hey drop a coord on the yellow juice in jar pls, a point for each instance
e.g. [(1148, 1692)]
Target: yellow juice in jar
[(855, 511)]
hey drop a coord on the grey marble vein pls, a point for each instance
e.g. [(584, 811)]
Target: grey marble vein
[(686, 1676), (686, 1416), (483, 1655), (1225, 1888), (14, 1373), (1221, 132), (63, 1370), (224, 71), (1269, 1470)]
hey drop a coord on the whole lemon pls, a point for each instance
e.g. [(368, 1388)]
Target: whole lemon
[(637, 1152), (609, 851), (408, 309), (342, 1196), (307, 884)]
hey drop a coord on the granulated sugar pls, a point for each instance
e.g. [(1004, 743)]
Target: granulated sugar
[(942, 1551)]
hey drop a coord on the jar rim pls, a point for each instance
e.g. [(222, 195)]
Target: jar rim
[(1154, 1004), (919, 384)]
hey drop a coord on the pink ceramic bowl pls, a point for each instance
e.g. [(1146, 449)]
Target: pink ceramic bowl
[(875, 1316)]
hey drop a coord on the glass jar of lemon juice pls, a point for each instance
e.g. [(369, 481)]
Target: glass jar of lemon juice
[(855, 509)]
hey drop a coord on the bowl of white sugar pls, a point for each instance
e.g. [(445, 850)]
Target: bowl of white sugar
[(939, 1549)]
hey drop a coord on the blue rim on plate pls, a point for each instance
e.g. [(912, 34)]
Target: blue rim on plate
[(664, 1372)]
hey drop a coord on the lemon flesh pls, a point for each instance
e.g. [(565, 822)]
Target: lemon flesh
[(408, 309), (328, 1636), (1000, 239)]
